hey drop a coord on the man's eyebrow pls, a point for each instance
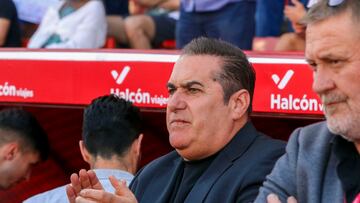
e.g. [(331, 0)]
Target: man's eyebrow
[(330, 56), (186, 85), (190, 84), (326, 56)]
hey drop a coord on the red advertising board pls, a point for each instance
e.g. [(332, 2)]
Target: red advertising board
[(283, 83)]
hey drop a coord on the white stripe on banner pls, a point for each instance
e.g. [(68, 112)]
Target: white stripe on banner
[(106, 56)]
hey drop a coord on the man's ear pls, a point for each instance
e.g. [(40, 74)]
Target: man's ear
[(239, 103), (136, 145), (84, 152), (10, 150)]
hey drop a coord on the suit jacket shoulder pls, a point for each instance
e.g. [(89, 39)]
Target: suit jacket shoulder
[(153, 183), (307, 165), (241, 167)]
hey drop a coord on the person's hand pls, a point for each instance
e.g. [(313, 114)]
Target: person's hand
[(298, 28), (85, 180), (272, 198), (122, 194), (295, 12)]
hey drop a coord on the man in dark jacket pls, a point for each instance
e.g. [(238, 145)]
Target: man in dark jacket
[(219, 156)]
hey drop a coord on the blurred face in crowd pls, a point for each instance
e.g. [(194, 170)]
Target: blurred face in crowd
[(333, 53), (198, 120), (15, 164)]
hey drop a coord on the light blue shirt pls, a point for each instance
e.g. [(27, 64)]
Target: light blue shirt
[(58, 195), (205, 5)]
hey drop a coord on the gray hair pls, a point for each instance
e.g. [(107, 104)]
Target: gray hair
[(237, 72), (321, 11)]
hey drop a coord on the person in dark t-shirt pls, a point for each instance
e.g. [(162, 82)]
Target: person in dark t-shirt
[(9, 25)]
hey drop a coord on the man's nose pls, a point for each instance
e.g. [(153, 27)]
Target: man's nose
[(323, 81), (176, 101)]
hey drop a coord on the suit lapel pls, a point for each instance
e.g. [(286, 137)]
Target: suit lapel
[(207, 180), (235, 149), (165, 186)]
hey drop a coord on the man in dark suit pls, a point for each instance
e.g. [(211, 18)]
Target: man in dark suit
[(219, 156)]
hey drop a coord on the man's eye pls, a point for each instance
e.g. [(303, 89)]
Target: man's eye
[(334, 62), (171, 91), (193, 90), (313, 66)]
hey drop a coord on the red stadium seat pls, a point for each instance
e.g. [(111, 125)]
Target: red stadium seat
[(110, 43), (168, 44)]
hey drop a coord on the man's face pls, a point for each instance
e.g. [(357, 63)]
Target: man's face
[(332, 49), (17, 169), (198, 121)]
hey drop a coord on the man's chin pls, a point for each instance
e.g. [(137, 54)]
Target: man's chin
[(337, 126), (177, 144)]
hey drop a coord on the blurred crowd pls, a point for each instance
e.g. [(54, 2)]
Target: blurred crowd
[(144, 24)]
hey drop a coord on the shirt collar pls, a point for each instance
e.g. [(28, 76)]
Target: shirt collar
[(105, 173)]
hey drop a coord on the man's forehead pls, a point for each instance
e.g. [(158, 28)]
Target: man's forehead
[(195, 68), (323, 39), (197, 62), (325, 50)]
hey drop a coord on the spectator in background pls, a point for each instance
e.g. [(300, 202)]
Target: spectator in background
[(293, 41), (10, 35), (23, 144), (230, 20), (72, 24), (146, 31), (271, 24), (111, 144), (32, 11), (116, 12), (270, 17), (217, 149)]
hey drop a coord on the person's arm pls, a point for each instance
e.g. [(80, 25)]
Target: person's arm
[(295, 14), (170, 5), (167, 4), (45, 29), (7, 11), (282, 180), (4, 29), (90, 33)]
